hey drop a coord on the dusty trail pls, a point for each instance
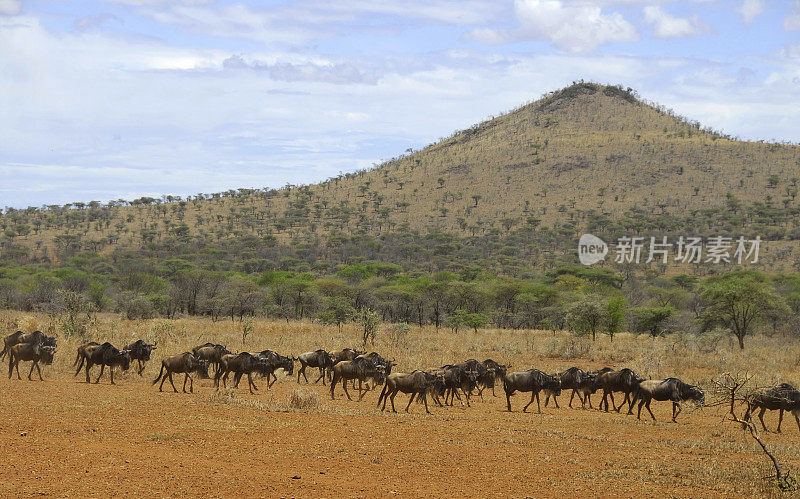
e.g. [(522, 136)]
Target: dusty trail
[(62, 437)]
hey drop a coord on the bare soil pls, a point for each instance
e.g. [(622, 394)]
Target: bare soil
[(63, 437)]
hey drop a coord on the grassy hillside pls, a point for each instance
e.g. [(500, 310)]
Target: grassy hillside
[(511, 195)]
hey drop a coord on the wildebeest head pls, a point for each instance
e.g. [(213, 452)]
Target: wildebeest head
[(694, 392), (201, 368), (124, 360), (47, 354), (554, 384)]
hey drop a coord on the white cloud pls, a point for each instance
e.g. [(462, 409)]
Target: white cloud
[(578, 28), (792, 21), (750, 9), (10, 7), (666, 25)]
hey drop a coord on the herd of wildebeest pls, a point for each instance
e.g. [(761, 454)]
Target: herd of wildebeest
[(371, 370)]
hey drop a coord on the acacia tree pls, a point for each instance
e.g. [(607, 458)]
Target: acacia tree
[(586, 315), (739, 301)]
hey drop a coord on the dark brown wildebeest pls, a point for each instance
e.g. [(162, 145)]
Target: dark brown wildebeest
[(500, 371), (456, 378), (624, 380), (361, 369), (35, 352), (378, 360), (783, 397), (103, 355), (580, 382), (279, 362), (211, 352), (82, 354), (319, 358), (20, 337), (484, 377), (241, 364), (417, 383), (532, 381), (140, 352), (671, 389), (185, 363)]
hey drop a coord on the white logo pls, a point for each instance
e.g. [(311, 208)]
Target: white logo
[(591, 249)]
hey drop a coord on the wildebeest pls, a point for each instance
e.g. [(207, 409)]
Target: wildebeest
[(378, 360), (456, 378), (484, 377), (671, 389), (345, 354), (417, 383), (104, 355), (532, 381), (279, 362), (580, 382), (82, 354), (185, 363), (20, 337), (319, 358), (361, 369), (33, 351), (783, 397), (500, 371), (140, 352), (211, 352), (241, 364), (624, 380)]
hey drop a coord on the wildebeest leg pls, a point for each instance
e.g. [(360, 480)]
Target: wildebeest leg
[(533, 396), (163, 379), (538, 406), (647, 406), (31, 371), (623, 402), (321, 376), (16, 364), (269, 383), (191, 383), (171, 382), (250, 382), (394, 394), (508, 401), (604, 401), (141, 366), (466, 396), (88, 366), (556, 401), (111, 373), (780, 419), (761, 417), (425, 400), (675, 405), (570, 399), (10, 365), (411, 399), (589, 398), (639, 415), (302, 370), (185, 379), (39, 370), (796, 418), (361, 393), (102, 368), (613, 404), (382, 396), (344, 385)]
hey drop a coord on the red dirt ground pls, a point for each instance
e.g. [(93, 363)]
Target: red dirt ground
[(62, 437)]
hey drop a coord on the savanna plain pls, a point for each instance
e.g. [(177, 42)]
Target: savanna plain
[(63, 437)]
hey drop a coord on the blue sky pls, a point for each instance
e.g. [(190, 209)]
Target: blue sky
[(117, 99)]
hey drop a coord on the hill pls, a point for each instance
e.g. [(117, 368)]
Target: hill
[(510, 195)]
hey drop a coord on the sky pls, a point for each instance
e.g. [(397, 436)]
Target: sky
[(118, 99)]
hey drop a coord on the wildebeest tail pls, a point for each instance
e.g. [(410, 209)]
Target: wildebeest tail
[(77, 358), (83, 358), (160, 373)]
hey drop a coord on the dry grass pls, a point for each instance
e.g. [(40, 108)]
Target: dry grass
[(694, 359)]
